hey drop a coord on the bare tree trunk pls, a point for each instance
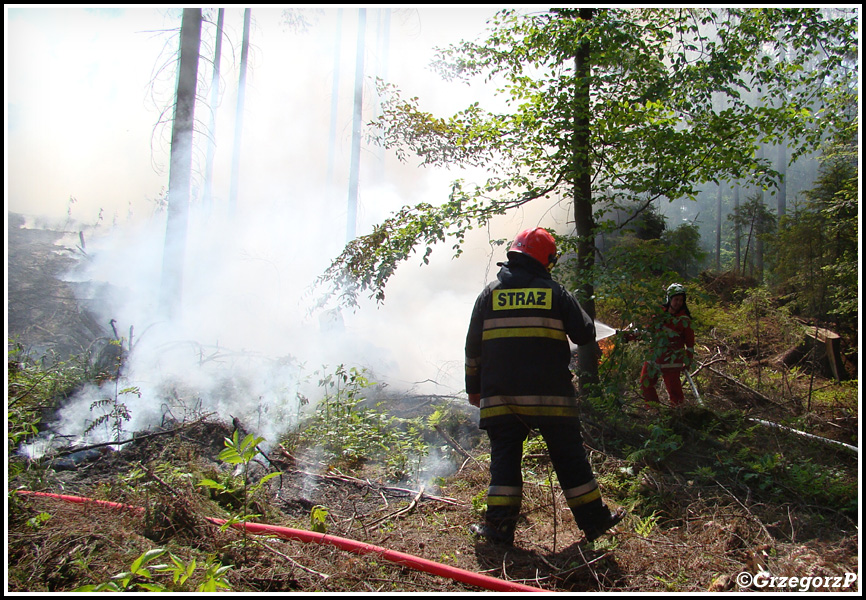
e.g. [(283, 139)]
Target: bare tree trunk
[(335, 96), (383, 40), (355, 165), (180, 164), (719, 229), (759, 252), (748, 245), (239, 116), (737, 232), (587, 356), (207, 194), (757, 224), (782, 199)]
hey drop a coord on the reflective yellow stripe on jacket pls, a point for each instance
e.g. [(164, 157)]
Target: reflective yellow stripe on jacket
[(472, 365), (511, 327), (540, 406)]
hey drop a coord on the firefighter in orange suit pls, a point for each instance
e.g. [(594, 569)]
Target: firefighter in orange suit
[(517, 373)]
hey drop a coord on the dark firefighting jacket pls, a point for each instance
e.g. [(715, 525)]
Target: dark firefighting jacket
[(517, 350)]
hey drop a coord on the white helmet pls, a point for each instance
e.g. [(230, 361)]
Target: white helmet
[(675, 289)]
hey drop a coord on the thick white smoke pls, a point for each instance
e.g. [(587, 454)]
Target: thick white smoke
[(245, 343)]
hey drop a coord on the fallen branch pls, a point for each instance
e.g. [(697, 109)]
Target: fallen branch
[(368, 483), (405, 510), (811, 436), (559, 573), (746, 508), (296, 563), (745, 387), (134, 438), (158, 479), (707, 364), (427, 496), (588, 565), (451, 441), (694, 388)]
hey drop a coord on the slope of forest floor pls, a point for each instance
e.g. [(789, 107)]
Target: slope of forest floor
[(712, 491)]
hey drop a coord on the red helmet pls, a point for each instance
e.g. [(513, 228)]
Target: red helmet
[(537, 243)]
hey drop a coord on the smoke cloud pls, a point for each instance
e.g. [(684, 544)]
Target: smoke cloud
[(246, 344)]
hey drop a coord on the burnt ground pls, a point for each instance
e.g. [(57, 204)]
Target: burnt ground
[(44, 313), (710, 496)]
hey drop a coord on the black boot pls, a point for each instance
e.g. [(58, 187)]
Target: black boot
[(606, 521), (502, 534)]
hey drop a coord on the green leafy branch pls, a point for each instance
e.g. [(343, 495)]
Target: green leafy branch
[(140, 578), (129, 580), (345, 430), (369, 261), (241, 452)]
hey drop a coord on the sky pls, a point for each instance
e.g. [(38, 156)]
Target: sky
[(85, 90)]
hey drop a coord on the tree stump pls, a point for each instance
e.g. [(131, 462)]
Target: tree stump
[(825, 348), (828, 351)]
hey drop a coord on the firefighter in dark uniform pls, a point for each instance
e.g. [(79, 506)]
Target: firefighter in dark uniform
[(517, 373)]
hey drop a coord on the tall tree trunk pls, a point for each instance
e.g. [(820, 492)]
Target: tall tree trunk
[(737, 232), (207, 194), (782, 199), (239, 116), (383, 40), (180, 165), (757, 225), (719, 228), (355, 164), (587, 356), (752, 229), (335, 95)]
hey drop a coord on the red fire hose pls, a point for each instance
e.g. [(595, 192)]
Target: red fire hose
[(420, 564)]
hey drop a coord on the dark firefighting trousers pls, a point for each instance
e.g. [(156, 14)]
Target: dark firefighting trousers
[(565, 448)]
